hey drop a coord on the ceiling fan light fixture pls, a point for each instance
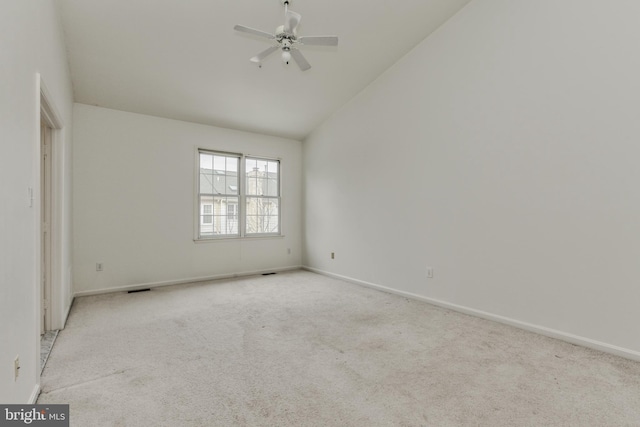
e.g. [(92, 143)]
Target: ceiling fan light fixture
[(286, 56)]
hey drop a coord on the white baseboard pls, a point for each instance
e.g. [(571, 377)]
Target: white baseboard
[(183, 281), (34, 394), (66, 315), (563, 336)]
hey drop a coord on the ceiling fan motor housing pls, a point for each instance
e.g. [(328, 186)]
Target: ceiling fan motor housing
[(282, 34)]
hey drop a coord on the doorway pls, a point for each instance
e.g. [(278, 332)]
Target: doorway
[(51, 288), (51, 282)]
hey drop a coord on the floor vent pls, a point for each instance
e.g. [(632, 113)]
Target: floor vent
[(138, 290)]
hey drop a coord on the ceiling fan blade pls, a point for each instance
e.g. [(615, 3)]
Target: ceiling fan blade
[(253, 31), (300, 59), (259, 57), (291, 21), (319, 40)]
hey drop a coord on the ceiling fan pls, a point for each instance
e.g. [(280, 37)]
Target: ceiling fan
[(286, 38)]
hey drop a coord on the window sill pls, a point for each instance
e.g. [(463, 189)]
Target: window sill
[(242, 239)]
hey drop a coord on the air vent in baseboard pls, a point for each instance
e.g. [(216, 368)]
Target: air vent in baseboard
[(138, 290)]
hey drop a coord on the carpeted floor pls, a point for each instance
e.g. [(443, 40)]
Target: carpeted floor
[(299, 349)]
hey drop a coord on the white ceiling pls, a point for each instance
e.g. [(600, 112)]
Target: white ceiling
[(181, 59)]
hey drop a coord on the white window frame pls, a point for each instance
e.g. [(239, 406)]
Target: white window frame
[(242, 197)]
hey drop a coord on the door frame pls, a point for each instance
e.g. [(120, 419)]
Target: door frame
[(46, 177), (48, 113)]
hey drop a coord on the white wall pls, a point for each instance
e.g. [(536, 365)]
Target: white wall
[(503, 151), (31, 43), (134, 202)]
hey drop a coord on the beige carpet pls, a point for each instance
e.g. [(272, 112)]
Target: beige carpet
[(299, 349)]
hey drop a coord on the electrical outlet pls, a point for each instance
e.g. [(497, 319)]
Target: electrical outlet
[(16, 368), (99, 266), (333, 255), (430, 272), (288, 251)]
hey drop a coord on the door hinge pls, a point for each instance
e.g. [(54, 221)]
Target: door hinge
[(45, 303)]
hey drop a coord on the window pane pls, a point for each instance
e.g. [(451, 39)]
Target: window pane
[(261, 182), (261, 165), (232, 184), (218, 174), (262, 215), (272, 186), (206, 216), (219, 163), (206, 173), (232, 216), (262, 177), (251, 175), (273, 167), (252, 184), (225, 216), (232, 165), (206, 182), (251, 164), (219, 182), (206, 161)]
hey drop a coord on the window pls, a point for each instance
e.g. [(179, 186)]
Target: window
[(262, 196), (218, 189), (237, 195)]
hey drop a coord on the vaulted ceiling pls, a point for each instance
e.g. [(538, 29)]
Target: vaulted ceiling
[(182, 59)]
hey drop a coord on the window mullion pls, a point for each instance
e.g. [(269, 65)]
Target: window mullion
[(242, 195)]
